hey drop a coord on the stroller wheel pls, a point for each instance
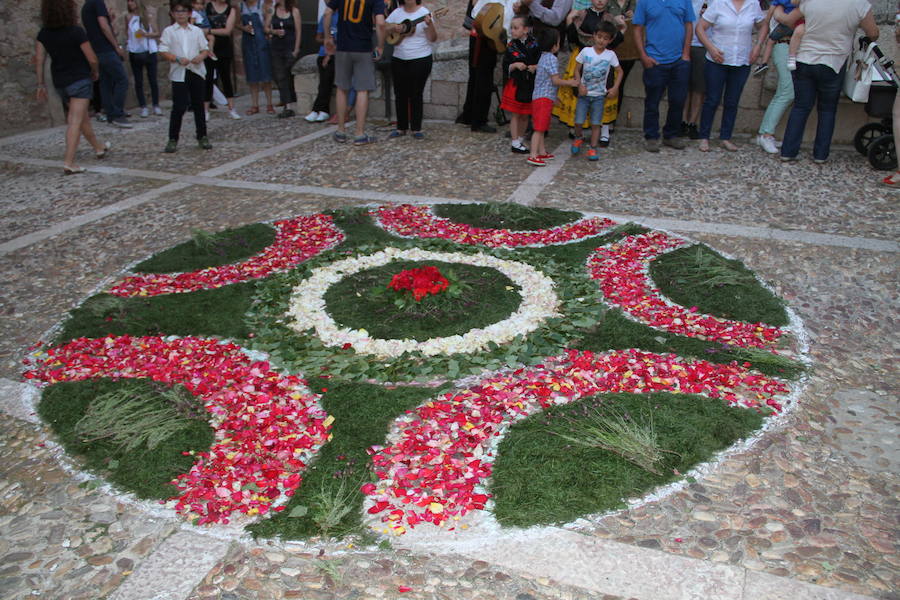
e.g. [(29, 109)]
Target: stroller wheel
[(882, 154), (866, 135)]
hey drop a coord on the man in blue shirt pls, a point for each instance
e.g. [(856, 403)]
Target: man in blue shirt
[(113, 78), (354, 56), (663, 31)]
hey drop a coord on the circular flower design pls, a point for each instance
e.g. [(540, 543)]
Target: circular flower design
[(307, 306), (420, 282), (420, 222)]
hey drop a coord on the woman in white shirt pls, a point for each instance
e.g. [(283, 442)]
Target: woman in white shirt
[(142, 49), (411, 64), (726, 31)]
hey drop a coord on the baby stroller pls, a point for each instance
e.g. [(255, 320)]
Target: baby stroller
[(876, 140)]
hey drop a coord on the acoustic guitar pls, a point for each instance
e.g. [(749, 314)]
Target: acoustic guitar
[(489, 24), (409, 26)]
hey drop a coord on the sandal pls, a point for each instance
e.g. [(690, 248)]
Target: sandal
[(363, 140), (252, 110), (729, 146), (890, 182), (102, 154), (270, 109), (72, 170), (704, 146), (340, 137)]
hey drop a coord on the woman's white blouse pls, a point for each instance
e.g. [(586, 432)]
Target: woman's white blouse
[(137, 45), (731, 31)]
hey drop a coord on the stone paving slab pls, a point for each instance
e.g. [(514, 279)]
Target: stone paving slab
[(60, 539), (460, 164), (747, 187), (53, 194)]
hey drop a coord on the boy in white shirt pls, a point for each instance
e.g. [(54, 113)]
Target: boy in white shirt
[(594, 63), (185, 46)]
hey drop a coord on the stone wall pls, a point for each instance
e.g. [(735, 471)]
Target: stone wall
[(444, 93)]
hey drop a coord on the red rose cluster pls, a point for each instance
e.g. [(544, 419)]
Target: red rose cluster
[(421, 282)]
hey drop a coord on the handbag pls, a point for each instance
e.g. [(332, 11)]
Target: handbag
[(860, 71)]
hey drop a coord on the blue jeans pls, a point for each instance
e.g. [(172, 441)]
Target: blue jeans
[(812, 83), (113, 85), (719, 78), (592, 105), (674, 77)]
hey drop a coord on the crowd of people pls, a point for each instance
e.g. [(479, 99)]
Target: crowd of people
[(697, 53)]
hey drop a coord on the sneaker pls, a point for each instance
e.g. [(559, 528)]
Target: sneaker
[(312, 117), (789, 158), (767, 143), (820, 161), (604, 142), (101, 118), (207, 115), (323, 116), (592, 154), (363, 140), (145, 112), (674, 142), (171, 146), (396, 133), (792, 63), (693, 132), (233, 114), (157, 111), (575, 148), (204, 143), (419, 135), (122, 123), (651, 144), (536, 161), (760, 69), (518, 147), (340, 137), (286, 114)]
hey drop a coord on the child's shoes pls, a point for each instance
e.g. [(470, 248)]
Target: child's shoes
[(592, 154), (517, 147), (536, 161), (575, 148)]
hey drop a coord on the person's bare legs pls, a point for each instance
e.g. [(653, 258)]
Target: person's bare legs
[(267, 90), (254, 96), (341, 107), (695, 104), (77, 115), (87, 130), (362, 108)]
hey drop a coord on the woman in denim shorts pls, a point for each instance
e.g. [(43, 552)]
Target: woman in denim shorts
[(74, 68)]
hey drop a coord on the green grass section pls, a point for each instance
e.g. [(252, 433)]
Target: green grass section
[(506, 215), (218, 312), (540, 478), (477, 297), (359, 229), (698, 276), (211, 250), (576, 253), (362, 414), (146, 473)]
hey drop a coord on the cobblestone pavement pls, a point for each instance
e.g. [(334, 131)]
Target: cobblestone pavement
[(814, 506)]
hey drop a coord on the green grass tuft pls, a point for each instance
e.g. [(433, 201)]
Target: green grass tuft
[(506, 215), (698, 276), (541, 478), (210, 249), (481, 296), (144, 472)]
